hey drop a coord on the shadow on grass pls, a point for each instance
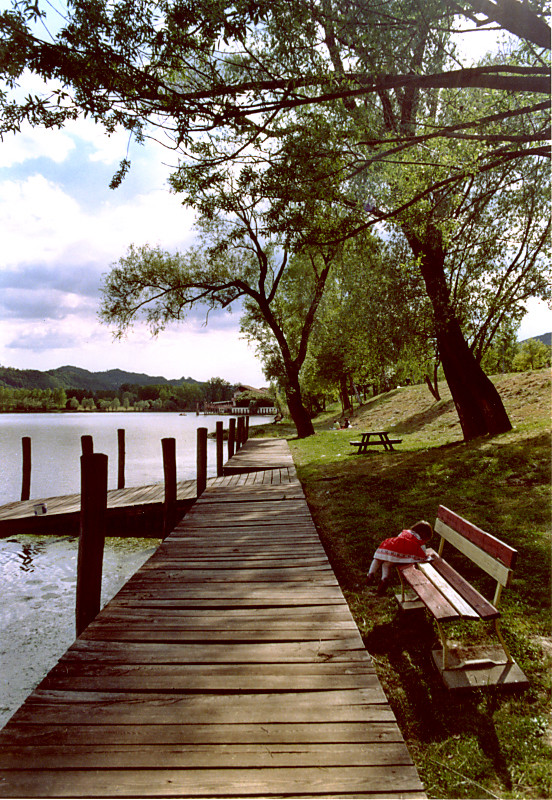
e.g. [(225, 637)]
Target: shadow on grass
[(417, 422), (435, 713)]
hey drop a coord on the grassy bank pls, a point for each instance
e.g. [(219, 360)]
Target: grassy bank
[(484, 743)]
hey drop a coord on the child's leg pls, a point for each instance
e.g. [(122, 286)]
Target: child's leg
[(385, 570), (374, 566)]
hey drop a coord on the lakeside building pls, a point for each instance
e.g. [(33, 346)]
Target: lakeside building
[(234, 407)]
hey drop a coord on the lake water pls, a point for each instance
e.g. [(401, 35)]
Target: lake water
[(56, 448), (38, 573)]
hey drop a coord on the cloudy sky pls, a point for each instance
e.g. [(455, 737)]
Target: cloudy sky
[(61, 228)]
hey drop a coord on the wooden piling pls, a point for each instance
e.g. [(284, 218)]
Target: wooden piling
[(169, 471), (220, 447), (201, 460), (87, 445), (239, 433), (121, 458), (231, 437), (91, 539), (26, 476)]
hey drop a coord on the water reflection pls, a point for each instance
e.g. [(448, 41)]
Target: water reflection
[(26, 555), (37, 614)]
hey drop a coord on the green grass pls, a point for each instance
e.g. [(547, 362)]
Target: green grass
[(483, 743)]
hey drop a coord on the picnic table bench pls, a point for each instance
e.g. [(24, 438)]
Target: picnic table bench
[(449, 597), (379, 438)]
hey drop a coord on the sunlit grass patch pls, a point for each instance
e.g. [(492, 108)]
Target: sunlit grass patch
[(477, 744)]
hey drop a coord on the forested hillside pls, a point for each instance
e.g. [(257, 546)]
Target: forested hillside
[(69, 377), (74, 389)]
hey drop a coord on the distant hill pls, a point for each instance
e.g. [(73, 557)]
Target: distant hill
[(545, 338), (76, 378)]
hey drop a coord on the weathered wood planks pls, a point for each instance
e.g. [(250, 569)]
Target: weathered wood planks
[(228, 666), (259, 455)]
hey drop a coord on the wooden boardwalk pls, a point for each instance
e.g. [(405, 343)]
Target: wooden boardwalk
[(228, 666), (138, 510), (259, 455)]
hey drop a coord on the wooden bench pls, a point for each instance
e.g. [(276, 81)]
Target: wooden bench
[(440, 589), (380, 438)]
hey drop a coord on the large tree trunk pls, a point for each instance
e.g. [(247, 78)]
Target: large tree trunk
[(294, 398), (344, 392), (297, 410), (477, 401)]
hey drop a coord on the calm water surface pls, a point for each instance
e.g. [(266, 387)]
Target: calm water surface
[(38, 573)]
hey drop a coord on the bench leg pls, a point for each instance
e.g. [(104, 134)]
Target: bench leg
[(402, 584), (502, 642), (443, 638)]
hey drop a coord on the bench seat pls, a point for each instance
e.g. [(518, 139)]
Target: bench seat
[(449, 597), (379, 442), (445, 593)]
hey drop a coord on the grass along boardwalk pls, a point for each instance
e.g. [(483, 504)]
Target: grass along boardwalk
[(228, 666)]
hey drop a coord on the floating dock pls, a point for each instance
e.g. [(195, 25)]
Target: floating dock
[(228, 666)]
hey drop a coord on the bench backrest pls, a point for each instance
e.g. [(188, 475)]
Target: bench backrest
[(489, 553)]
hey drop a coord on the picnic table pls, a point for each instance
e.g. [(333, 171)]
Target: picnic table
[(374, 438)]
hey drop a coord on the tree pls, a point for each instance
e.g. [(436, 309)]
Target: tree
[(217, 389), (532, 354), (231, 264), (233, 82), (60, 398), (196, 68)]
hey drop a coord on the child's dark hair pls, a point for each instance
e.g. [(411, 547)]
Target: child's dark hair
[(424, 529)]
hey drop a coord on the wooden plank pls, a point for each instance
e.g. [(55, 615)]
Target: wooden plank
[(390, 780), (189, 733), (309, 615), (214, 756), (347, 649), (268, 601), (485, 609), (490, 544), (487, 562), (72, 708), (174, 634), (429, 595), (217, 678)]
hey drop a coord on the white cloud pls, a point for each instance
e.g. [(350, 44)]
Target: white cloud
[(537, 320), (33, 143), (37, 220), (40, 223), (181, 351)]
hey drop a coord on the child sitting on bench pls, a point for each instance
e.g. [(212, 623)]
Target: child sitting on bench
[(408, 547)]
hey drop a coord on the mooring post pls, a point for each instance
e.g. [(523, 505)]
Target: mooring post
[(239, 433), (220, 446), (247, 427), (26, 476), (231, 436), (201, 460), (91, 538), (121, 458), (87, 445), (169, 471)]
